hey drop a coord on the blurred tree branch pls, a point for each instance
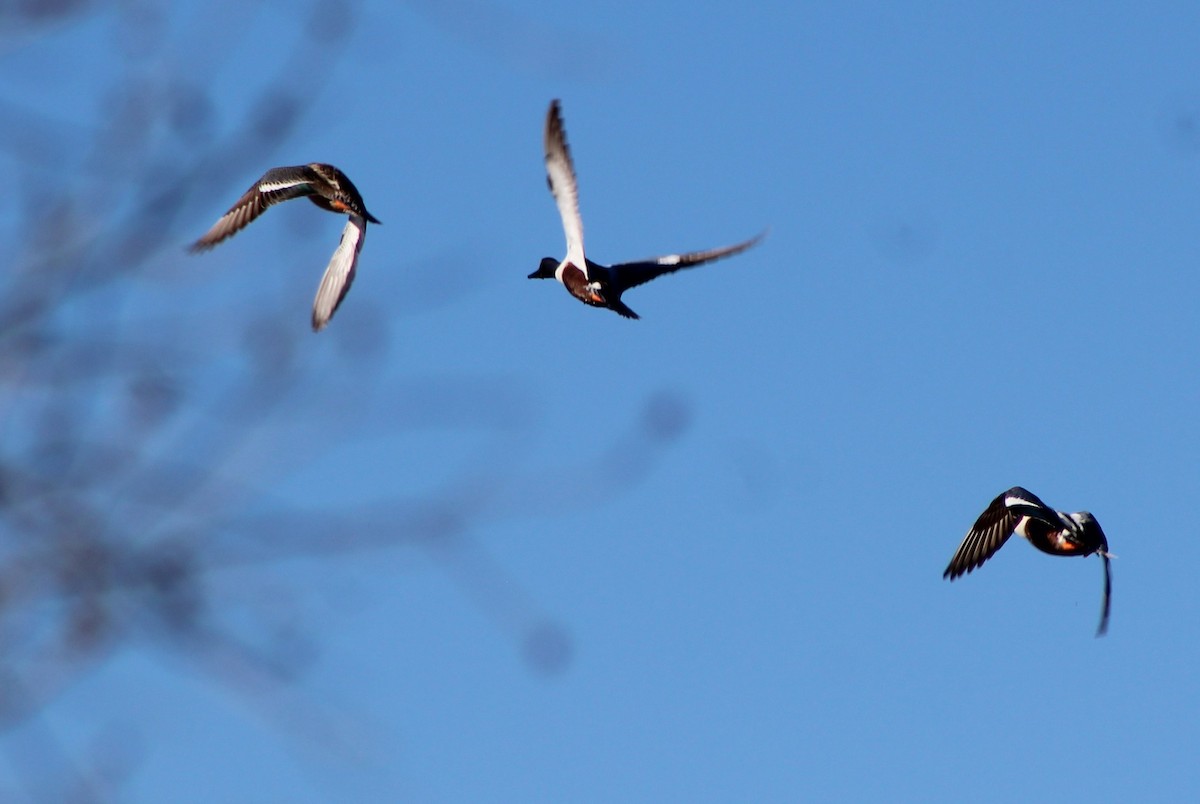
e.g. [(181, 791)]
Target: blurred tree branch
[(134, 467)]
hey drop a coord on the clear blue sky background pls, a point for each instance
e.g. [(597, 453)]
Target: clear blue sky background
[(982, 271)]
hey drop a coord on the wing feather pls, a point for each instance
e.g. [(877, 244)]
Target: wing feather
[(989, 533), (560, 175), (339, 274), (276, 185), (1107, 602), (631, 274)]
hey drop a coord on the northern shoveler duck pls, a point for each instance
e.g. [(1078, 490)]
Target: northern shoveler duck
[(1055, 532), (590, 282), (328, 188)]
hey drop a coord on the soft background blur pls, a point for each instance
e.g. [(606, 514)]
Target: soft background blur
[(477, 541)]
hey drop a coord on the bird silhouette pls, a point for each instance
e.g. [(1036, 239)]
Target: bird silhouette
[(590, 282), (1055, 532), (329, 189)]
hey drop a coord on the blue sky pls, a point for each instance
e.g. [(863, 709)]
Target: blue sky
[(514, 548)]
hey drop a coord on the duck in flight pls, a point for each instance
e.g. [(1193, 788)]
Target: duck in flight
[(1055, 532), (328, 188), (590, 282)]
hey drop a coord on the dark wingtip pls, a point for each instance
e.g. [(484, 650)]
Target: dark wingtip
[(954, 571), (372, 218), (958, 567), (1107, 605)]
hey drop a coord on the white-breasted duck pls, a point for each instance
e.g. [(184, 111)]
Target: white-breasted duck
[(590, 282), (329, 189), (1055, 532)]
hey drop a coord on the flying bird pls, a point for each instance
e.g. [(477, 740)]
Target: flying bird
[(328, 188), (1055, 532), (590, 282)]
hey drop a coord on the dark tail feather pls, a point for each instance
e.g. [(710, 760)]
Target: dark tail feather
[(618, 306)]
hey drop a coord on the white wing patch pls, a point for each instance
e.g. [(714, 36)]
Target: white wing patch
[(1010, 501), (274, 186)]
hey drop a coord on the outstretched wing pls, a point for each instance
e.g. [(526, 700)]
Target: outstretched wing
[(277, 184), (992, 529), (339, 274), (1104, 607), (1024, 502), (560, 176), (631, 274)]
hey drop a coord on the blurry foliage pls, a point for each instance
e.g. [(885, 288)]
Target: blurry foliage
[(132, 467)]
